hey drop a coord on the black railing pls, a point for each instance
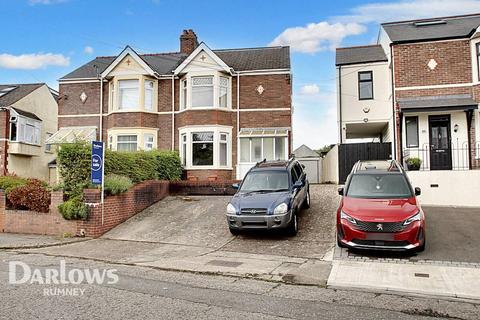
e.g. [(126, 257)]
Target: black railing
[(459, 156)]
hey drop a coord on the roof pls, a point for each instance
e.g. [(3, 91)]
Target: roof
[(73, 134), (360, 54), (26, 114), (432, 29), (266, 58), (11, 93), (429, 103), (305, 152)]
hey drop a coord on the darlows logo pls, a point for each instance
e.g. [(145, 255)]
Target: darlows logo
[(22, 273)]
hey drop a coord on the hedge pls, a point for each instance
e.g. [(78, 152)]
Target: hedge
[(74, 160), (7, 183)]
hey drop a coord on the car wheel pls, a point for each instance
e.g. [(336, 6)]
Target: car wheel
[(234, 232), (306, 202), (292, 228)]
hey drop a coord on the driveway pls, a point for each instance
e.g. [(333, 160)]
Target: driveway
[(200, 221), (452, 235)]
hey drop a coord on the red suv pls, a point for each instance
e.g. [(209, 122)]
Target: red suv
[(379, 209)]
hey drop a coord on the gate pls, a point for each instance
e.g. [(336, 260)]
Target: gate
[(350, 153)]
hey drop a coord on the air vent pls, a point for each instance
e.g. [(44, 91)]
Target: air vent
[(429, 23)]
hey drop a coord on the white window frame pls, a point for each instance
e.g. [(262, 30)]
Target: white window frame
[(285, 151), (129, 142), (186, 92), (220, 87), (148, 144), (217, 131), (141, 133), (151, 92), (183, 149), (21, 124), (211, 86)]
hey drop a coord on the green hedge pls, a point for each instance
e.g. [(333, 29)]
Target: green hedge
[(74, 162), (116, 184), (7, 183)]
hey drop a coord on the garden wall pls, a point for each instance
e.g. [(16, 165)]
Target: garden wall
[(207, 188)]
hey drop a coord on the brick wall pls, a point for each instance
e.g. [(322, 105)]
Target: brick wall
[(119, 208), (453, 59), (203, 187), (31, 222)]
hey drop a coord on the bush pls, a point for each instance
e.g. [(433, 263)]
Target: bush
[(7, 183), (116, 184), (73, 209), (74, 161), (413, 163), (32, 196)]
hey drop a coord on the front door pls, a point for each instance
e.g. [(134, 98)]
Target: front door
[(440, 146)]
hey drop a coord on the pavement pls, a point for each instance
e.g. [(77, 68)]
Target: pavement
[(17, 241)]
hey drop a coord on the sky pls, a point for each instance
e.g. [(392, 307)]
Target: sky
[(43, 40)]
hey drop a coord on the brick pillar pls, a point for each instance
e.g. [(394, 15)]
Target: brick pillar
[(2, 210)]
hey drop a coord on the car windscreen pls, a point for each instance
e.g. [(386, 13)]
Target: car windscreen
[(378, 186), (267, 180)]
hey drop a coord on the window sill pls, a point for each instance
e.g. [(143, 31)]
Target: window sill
[(205, 108), (207, 168), (132, 111), (24, 148)]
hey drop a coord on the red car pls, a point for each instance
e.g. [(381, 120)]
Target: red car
[(379, 209)]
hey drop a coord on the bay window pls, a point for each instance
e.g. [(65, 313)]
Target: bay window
[(148, 140), (128, 95), (132, 139), (23, 129), (206, 147), (205, 91)]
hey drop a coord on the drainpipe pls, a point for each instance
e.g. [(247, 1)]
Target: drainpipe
[(394, 115), (340, 102), (173, 112), (101, 110), (238, 123)]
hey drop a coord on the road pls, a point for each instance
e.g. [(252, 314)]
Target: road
[(155, 294)]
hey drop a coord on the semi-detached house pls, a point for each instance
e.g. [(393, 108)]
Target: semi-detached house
[(223, 110)]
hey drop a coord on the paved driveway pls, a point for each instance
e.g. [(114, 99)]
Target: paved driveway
[(200, 221)]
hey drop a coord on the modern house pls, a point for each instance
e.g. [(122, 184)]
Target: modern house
[(223, 110), (27, 119), (425, 75)]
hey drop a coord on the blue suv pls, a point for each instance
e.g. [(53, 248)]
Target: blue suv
[(269, 197)]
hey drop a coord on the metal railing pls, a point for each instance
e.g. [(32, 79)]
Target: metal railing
[(458, 157)]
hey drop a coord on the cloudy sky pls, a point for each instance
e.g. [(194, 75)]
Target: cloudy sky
[(43, 40)]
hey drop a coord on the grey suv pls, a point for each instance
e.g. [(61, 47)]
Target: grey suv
[(269, 197)]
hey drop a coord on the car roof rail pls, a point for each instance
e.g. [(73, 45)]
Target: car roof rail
[(260, 162)]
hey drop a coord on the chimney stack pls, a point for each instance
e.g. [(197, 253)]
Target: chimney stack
[(188, 41)]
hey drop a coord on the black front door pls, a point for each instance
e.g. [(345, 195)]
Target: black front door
[(440, 146)]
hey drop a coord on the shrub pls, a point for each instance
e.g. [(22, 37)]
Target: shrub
[(116, 184), (73, 209), (32, 196), (169, 165), (7, 183), (138, 166), (413, 163), (74, 161)]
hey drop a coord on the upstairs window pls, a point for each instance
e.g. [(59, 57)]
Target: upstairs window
[(26, 130), (411, 124), (128, 94), (478, 59), (148, 95), (202, 92), (223, 92), (183, 104), (365, 85)]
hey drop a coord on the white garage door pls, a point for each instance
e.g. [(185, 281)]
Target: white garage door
[(311, 168)]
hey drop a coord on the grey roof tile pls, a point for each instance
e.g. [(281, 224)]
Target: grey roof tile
[(428, 103), (360, 54), (305, 152), (432, 29), (19, 91), (27, 114), (164, 63)]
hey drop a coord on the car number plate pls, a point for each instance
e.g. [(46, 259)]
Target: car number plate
[(380, 236)]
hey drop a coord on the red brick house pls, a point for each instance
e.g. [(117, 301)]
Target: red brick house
[(223, 110)]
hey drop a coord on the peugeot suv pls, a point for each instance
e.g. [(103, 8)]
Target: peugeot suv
[(379, 209), (269, 197)]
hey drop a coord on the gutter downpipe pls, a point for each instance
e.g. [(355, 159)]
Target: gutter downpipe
[(394, 115), (173, 112), (238, 124), (340, 125)]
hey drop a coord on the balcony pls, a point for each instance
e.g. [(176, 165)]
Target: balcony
[(24, 149)]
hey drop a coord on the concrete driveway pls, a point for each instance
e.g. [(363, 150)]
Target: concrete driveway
[(200, 221)]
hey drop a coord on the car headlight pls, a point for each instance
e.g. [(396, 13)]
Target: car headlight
[(282, 208), (345, 216), (417, 217), (231, 209)]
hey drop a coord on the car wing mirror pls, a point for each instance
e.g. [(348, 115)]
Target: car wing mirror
[(340, 191), (303, 166), (235, 186), (418, 191)]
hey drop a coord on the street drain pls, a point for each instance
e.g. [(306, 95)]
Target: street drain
[(224, 263), (422, 275)]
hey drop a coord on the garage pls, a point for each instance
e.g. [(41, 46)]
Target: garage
[(312, 162)]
